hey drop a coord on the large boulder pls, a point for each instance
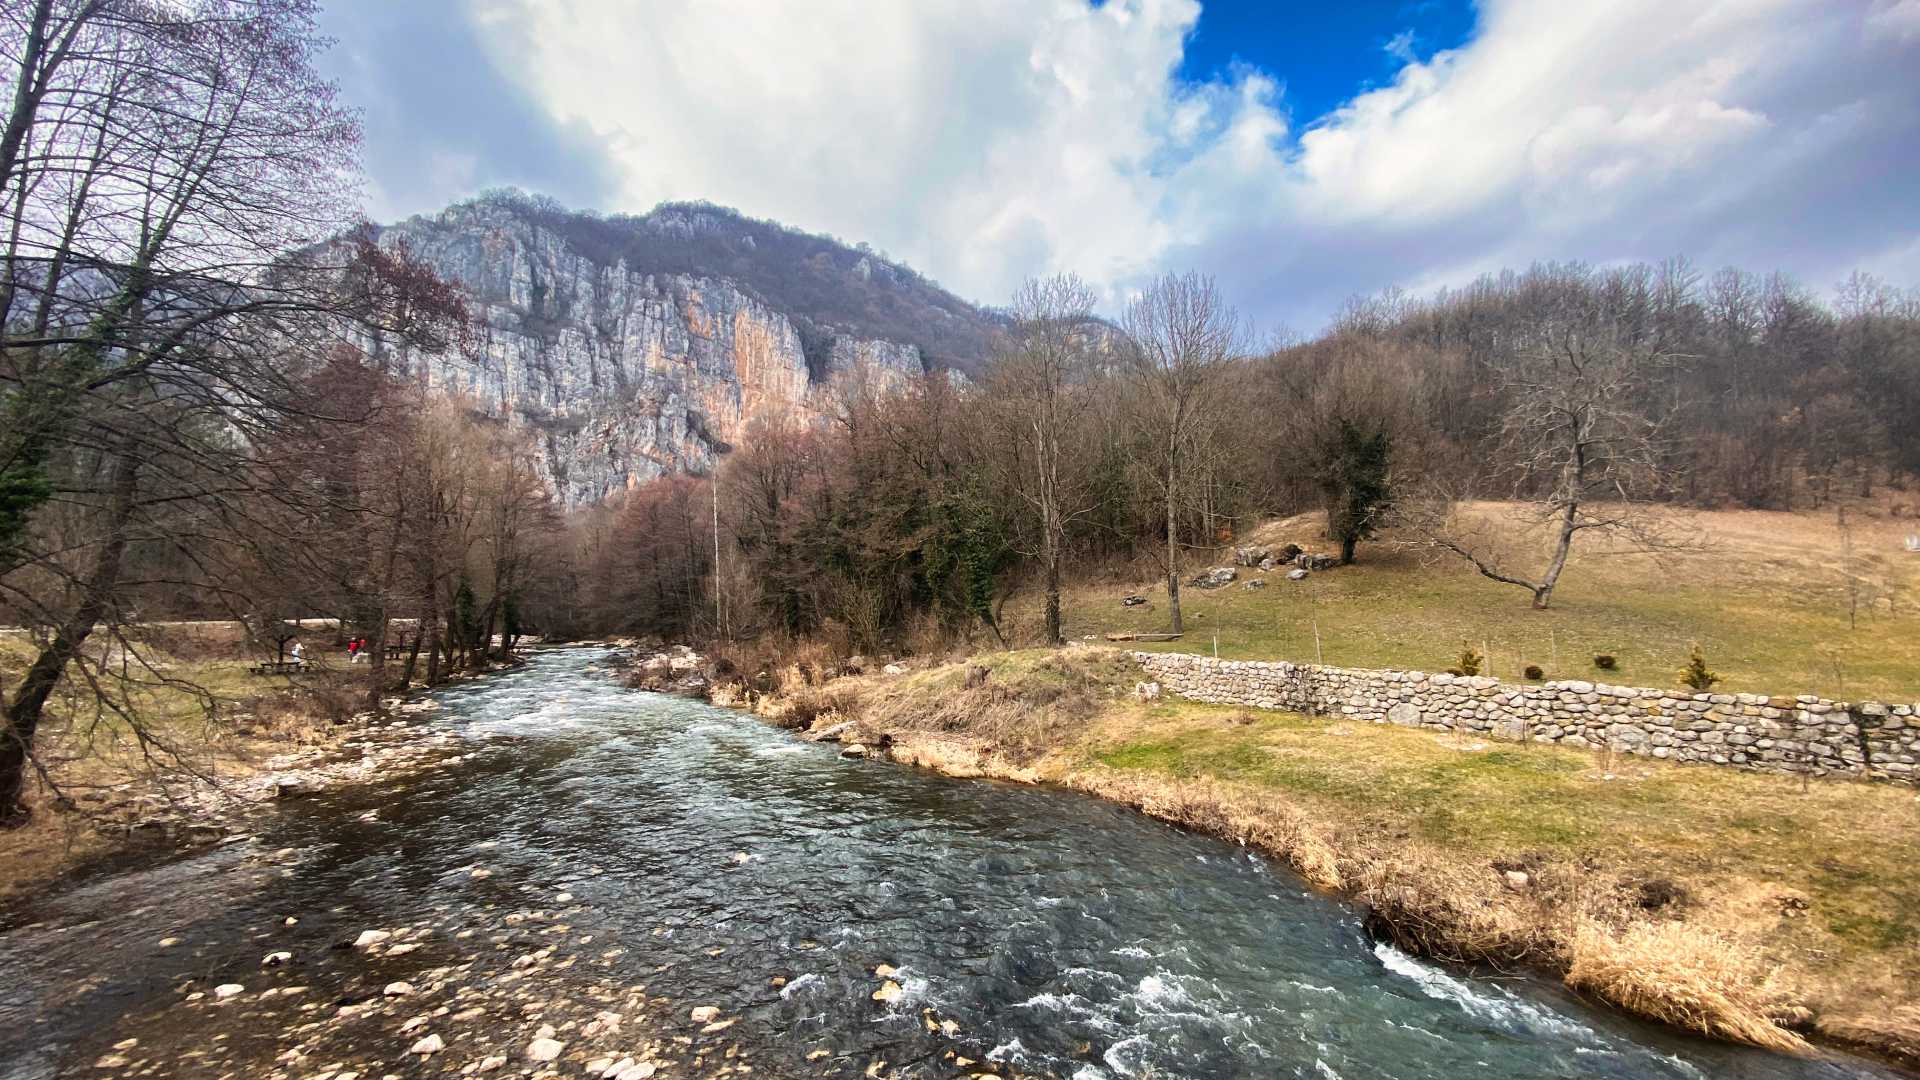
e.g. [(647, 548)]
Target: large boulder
[(1308, 560), (1218, 577), (1251, 555)]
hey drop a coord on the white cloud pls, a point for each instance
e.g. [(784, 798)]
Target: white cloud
[(986, 140)]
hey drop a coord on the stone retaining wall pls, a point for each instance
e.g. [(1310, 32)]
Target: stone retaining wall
[(1776, 734)]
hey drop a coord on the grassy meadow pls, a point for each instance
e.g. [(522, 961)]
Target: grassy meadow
[(1766, 596)]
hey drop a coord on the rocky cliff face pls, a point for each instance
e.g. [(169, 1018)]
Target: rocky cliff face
[(625, 371)]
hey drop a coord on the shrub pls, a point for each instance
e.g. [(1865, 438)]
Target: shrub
[(1696, 674), (1470, 661), (1533, 672), (1606, 662)]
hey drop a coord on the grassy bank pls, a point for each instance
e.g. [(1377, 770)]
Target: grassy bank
[(110, 783), (1781, 603), (1735, 904)]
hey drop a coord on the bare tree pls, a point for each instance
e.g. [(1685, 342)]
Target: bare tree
[(1040, 383), (1576, 444), (1180, 339), (167, 173)]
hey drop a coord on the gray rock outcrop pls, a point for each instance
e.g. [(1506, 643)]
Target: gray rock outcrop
[(625, 374)]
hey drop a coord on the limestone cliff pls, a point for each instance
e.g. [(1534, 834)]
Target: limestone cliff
[(607, 337)]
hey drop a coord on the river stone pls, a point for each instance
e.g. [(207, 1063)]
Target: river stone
[(397, 989), (369, 938), (544, 1049), (432, 1044), (702, 1014), (227, 990), (490, 1063), (1406, 714), (275, 959), (853, 750), (637, 1072)]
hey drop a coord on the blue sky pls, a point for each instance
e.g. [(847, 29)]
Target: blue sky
[(1324, 53), (1300, 152)]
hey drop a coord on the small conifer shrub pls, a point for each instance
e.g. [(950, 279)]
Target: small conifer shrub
[(1606, 662), (1533, 672), (1470, 662), (1696, 674)]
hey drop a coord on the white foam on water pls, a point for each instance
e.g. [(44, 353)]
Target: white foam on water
[(776, 751), (1010, 1052), (1161, 991), (1685, 1067), (1417, 1028), (1325, 1069), (809, 979), (1055, 1002), (1492, 1004), (1117, 1061), (1134, 951)]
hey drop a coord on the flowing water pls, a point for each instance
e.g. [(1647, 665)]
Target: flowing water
[(1062, 935)]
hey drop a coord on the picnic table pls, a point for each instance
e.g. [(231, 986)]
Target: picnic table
[(277, 667)]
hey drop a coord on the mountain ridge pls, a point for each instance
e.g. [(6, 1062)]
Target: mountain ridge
[(636, 346)]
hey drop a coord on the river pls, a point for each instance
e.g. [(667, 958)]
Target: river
[(727, 863)]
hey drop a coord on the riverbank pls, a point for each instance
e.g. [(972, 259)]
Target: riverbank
[(1740, 906), (213, 746)]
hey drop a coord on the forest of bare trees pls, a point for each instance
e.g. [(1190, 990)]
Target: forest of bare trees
[(1589, 396)]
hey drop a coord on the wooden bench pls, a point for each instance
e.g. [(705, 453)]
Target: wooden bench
[(398, 652), (278, 667)]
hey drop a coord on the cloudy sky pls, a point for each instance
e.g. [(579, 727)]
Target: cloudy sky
[(1298, 154)]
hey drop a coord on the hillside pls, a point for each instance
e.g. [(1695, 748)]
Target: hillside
[(1767, 599), (828, 289), (642, 346)]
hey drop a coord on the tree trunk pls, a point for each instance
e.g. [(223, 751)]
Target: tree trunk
[(1054, 637), (413, 656), (1173, 554), (1543, 595), (24, 713), (430, 626), (483, 649), (1347, 544)]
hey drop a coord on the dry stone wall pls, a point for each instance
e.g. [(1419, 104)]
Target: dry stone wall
[(1775, 734)]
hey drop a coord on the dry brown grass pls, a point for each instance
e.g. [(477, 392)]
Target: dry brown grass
[(1767, 599), (1685, 977), (1672, 892)]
